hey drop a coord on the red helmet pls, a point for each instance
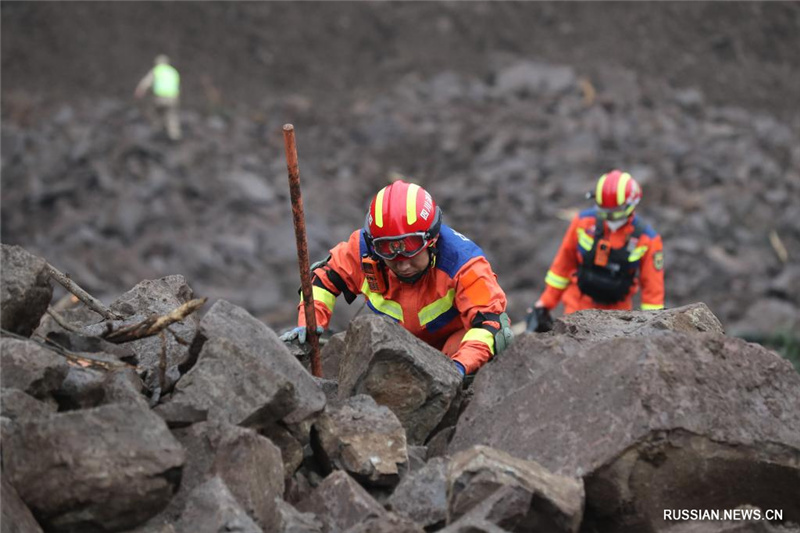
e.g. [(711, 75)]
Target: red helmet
[(617, 195), (402, 221)]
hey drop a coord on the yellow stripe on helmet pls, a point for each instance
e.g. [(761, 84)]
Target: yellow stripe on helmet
[(598, 192), (621, 186), (411, 203), (379, 208)]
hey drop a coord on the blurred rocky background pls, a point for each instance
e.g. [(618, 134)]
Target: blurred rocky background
[(506, 112)]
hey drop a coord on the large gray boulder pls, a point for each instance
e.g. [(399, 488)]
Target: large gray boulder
[(293, 521), (249, 464), (31, 368), (25, 290), (212, 508), (422, 494), (640, 418), (15, 404), (15, 517), (340, 503), (417, 382), (233, 384), (225, 320), (364, 439), (595, 324), (104, 469), (534, 499)]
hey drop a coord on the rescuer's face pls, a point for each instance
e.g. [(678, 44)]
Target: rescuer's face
[(409, 267)]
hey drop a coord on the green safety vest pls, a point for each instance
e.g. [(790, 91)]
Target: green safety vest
[(166, 81)]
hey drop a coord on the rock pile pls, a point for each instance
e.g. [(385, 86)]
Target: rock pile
[(599, 425)]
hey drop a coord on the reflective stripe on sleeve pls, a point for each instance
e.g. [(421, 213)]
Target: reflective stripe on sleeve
[(480, 335), (637, 253), (382, 305), (652, 307), (556, 281)]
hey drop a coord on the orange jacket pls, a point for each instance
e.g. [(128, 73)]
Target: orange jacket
[(457, 299), (646, 255)]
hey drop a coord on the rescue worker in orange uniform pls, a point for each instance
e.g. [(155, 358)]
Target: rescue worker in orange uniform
[(606, 256), (411, 267)]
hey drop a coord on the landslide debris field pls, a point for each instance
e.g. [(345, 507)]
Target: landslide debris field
[(506, 112)]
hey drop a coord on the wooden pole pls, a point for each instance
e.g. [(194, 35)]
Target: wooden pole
[(302, 247)]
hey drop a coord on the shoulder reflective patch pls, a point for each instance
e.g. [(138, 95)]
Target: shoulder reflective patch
[(658, 260), (584, 240), (381, 305)]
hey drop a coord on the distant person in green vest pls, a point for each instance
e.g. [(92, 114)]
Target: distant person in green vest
[(166, 84)]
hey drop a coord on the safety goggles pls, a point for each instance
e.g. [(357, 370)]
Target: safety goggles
[(407, 245), (617, 213)]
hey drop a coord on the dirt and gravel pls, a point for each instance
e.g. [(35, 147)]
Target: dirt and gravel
[(507, 112)]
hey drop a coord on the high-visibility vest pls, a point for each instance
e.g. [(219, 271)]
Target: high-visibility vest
[(166, 81)]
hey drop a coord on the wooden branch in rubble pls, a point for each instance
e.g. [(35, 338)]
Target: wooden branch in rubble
[(91, 302), (154, 324)]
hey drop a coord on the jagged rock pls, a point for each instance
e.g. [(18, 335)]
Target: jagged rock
[(417, 456), (293, 521), (234, 323), (249, 464), (213, 509), (340, 503), (251, 467), (638, 418), (331, 355), (109, 468), (330, 387), (533, 498), (364, 439), (595, 325), (388, 523), (147, 298), (291, 448), (25, 290), (232, 384), (31, 368), (17, 404), (417, 382), (422, 495), (437, 445), (15, 517)]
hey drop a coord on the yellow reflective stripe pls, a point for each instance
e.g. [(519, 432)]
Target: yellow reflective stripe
[(480, 335), (586, 242), (324, 296), (411, 203), (637, 253), (379, 208), (598, 192), (432, 311), (556, 281), (623, 183), (387, 307), (652, 307)]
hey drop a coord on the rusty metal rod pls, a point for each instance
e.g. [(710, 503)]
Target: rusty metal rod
[(302, 248)]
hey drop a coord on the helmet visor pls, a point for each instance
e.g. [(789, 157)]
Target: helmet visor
[(407, 245)]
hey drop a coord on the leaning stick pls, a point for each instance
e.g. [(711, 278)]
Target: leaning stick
[(154, 324), (302, 248), (91, 302)]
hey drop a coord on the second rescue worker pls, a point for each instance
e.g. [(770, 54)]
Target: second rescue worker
[(411, 267), (608, 254)]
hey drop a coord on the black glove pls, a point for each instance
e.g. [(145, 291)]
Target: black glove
[(539, 320)]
